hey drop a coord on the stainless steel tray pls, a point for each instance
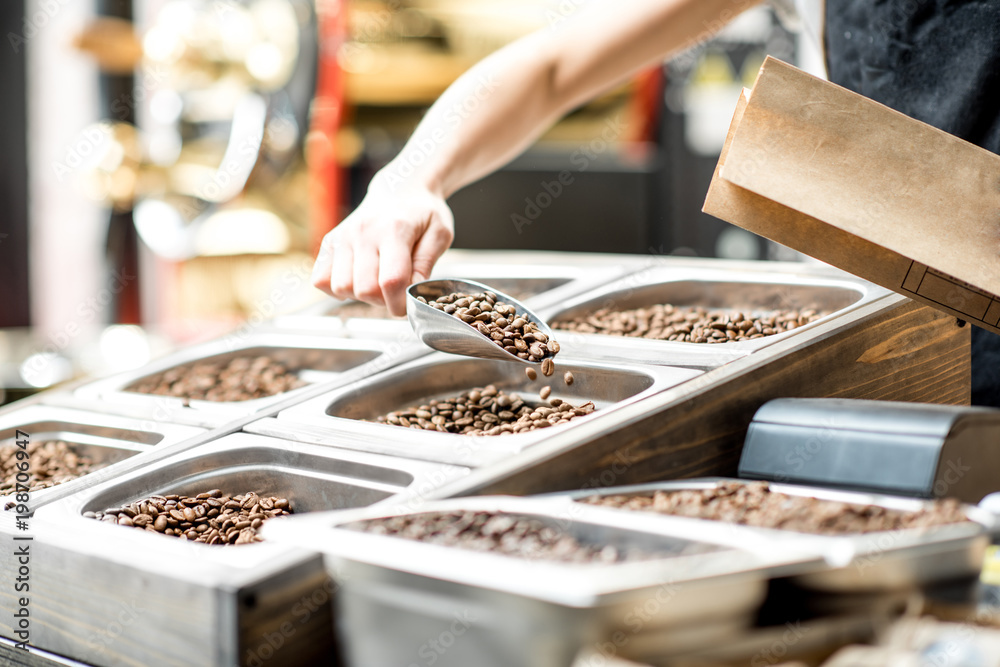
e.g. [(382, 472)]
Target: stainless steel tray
[(710, 284), (541, 278), (503, 611), (200, 604), (880, 561), (317, 359), (104, 438), (323, 419)]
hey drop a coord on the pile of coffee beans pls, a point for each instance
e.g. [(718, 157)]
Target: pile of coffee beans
[(486, 411), (688, 324), (754, 504), (50, 462), (211, 517), (501, 323), (497, 532), (241, 379)]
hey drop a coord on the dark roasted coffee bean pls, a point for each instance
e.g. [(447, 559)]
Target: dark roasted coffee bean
[(194, 518), (506, 534), (52, 462), (754, 504), (689, 324)]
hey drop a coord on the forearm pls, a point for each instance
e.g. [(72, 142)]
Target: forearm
[(500, 106)]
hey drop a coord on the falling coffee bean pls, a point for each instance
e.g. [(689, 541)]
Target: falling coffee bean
[(530, 372), (548, 367), (544, 392), (568, 378)]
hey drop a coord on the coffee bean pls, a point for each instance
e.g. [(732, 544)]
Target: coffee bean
[(548, 368), (479, 411), (689, 324), (500, 533), (530, 372), (544, 392), (568, 378), (53, 462), (195, 519), (754, 504), (240, 379), (498, 322)]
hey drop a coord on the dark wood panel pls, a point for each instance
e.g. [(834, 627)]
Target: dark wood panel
[(894, 350)]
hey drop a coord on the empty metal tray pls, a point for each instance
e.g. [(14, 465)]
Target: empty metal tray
[(342, 411)]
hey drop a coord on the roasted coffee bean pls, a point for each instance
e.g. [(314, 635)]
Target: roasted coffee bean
[(240, 379), (499, 322), (568, 378), (530, 372), (195, 520), (485, 411), (689, 324), (544, 392), (754, 504), (501, 533), (548, 368), (52, 462)]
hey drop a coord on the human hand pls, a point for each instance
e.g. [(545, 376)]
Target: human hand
[(392, 239)]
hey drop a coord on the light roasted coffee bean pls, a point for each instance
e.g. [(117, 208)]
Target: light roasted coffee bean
[(548, 367), (530, 372), (568, 378), (544, 392)]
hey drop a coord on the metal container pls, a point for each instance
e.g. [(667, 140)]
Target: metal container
[(194, 604), (403, 602), (869, 562), (344, 410), (753, 287), (105, 439), (315, 359)]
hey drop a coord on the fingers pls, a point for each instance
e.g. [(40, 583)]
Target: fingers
[(431, 246), (320, 277), (366, 262), (394, 272), (342, 271)]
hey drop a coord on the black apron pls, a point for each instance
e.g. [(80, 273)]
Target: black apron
[(937, 61)]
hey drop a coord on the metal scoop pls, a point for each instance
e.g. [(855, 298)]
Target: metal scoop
[(447, 333)]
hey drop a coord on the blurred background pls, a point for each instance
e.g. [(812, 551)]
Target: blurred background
[(171, 165)]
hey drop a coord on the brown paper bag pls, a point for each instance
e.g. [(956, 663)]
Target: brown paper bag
[(853, 183)]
